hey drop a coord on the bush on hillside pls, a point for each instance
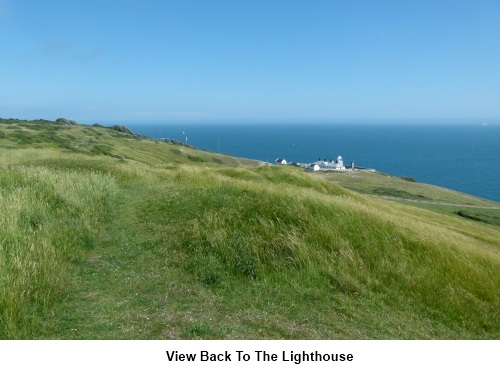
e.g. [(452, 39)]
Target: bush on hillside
[(64, 121), (123, 129), (408, 178)]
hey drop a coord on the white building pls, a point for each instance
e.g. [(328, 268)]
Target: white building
[(327, 165), (313, 167), (280, 161)]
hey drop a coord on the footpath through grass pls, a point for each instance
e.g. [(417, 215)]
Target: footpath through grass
[(193, 253), (154, 245)]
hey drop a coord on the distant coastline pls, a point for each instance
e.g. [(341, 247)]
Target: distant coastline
[(462, 157)]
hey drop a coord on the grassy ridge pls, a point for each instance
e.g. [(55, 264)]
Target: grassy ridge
[(338, 244), (146, 242)]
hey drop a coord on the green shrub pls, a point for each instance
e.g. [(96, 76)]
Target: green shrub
[(195, 158), (123, 129), (101, 149), (408, 178)]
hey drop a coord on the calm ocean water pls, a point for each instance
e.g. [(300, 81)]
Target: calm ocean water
[(460, 157)]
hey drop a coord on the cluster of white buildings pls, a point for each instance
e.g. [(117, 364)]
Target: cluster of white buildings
[(319, 165), (331, 165)]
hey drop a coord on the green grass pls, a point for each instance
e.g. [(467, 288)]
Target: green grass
[(149, 240), (46, 222), (487, 216), (436, 199), (376, 183)]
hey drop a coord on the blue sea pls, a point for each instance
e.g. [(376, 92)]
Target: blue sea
[(463, 157)]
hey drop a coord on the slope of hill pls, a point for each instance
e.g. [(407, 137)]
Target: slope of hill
[(104, 234)]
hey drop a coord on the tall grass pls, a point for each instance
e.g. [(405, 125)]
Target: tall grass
[(256, 226), (47, 220)]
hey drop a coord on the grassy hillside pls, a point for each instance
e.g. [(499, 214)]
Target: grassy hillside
[(104, 234)]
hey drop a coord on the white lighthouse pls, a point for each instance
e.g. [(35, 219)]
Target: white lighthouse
[(340, 162)]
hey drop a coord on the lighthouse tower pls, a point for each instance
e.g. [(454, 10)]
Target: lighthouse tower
[(340, 162)]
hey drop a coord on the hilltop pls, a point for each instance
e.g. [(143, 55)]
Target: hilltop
[(105, 234)]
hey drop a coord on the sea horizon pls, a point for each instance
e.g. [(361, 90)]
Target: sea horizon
[(460, 156)]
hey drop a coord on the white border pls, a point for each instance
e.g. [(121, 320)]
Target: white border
[(368, 354)]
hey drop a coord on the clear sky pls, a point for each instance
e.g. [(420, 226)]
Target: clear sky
[(250, 60)]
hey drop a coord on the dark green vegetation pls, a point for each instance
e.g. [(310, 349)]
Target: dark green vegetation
[(425, 196), (408, 178), (104, 234), (485, 216)]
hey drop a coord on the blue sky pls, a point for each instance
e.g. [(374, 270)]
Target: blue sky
[(253, 60)]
